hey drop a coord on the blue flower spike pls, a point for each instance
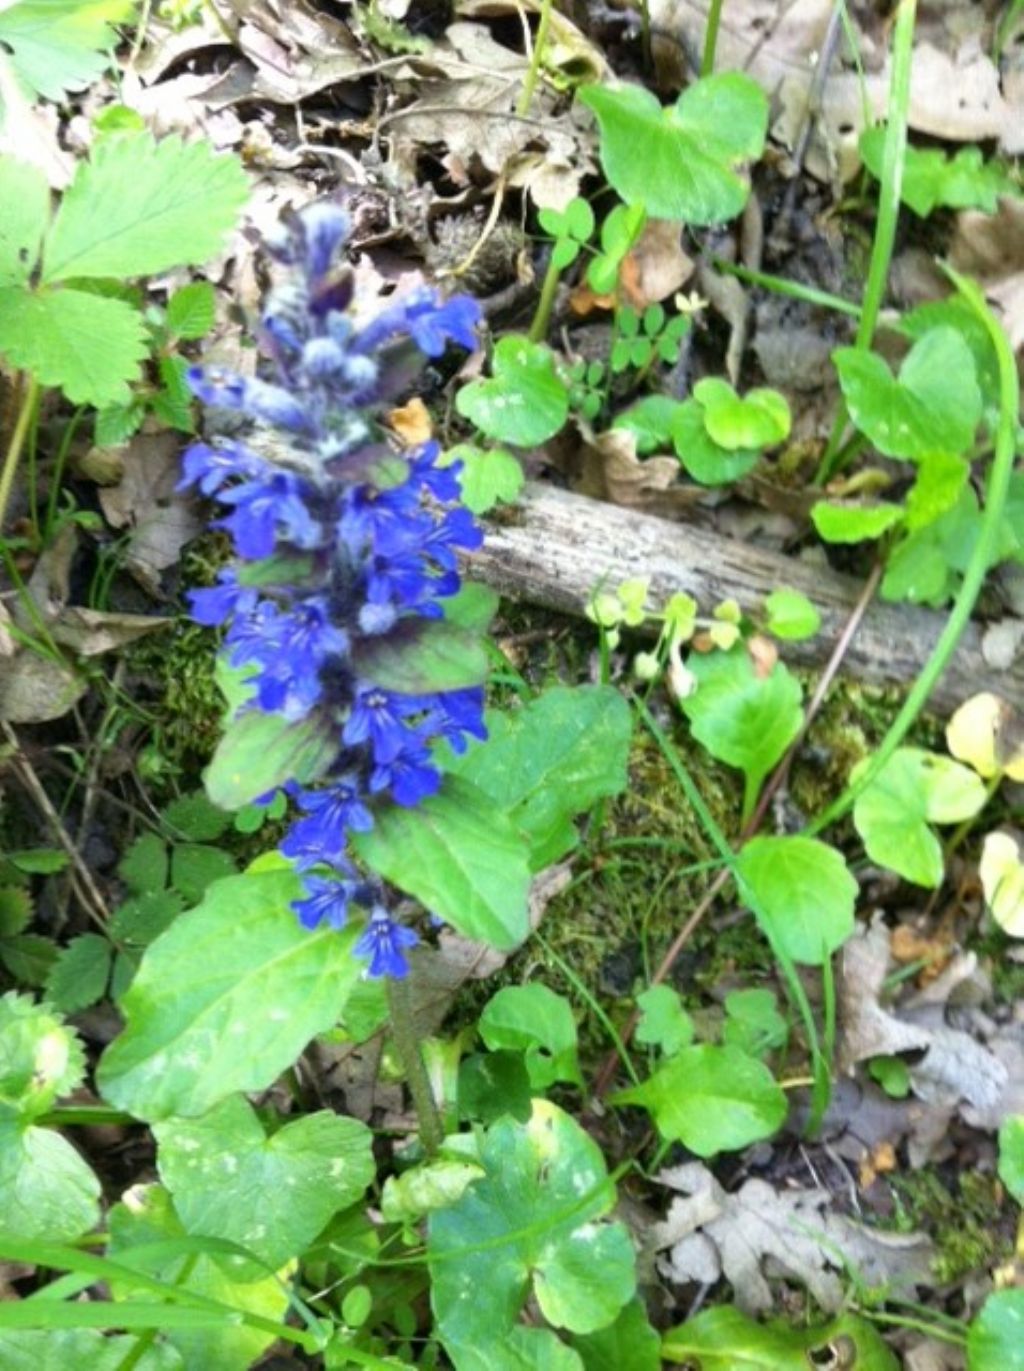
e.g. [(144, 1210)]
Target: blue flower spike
[(327, 559)]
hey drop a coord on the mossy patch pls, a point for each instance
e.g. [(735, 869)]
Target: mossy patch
[(968, 1219)]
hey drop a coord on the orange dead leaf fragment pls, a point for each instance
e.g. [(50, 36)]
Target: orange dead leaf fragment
[(411, 423)]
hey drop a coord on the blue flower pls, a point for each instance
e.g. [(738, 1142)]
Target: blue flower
[(208, 468), (327, 898), (410, 776), (384, 942), (214, 605), (331, 815), (268, 511)]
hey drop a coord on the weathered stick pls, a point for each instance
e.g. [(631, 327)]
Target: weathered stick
[(557, 548)]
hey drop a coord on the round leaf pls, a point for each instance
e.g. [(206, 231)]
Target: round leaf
[(49, 1190), (801, 893), (853, 523), (995, 1341), (759, 419), (702, 457), (791, 615), (524, 402), (533, 1019)]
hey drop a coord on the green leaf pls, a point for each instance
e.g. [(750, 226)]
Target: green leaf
[(521, 1349), (493, 1084), (422, 1189), (524, 402), (486, 478), (49, 1191), (791, 616), (259, 752), (58, 1349), (539, 1213), (460, 857), (551, 759), (40, 1057), (226, 999), (995, 1340), (38, 861), (664, 1023), (194, 866), (892, 1074), (702, 457), (144, 917), (420, 656), (1011, 1156), (28, 957), (79, 976), (534, 1020), (724, 1339), (925, 566), (139, 206), (144, 867), (853, 523), (192, 816), (753, 1022), (742, 718), (801, 893), (143, 1230), (115, 424), (934, 405), (759, 419), (954, 312), (191, 310), (940, 481), (15, 910), (650, 420), (472, 607), (57, 45), (24, 214), (88, 346), (301, 1175), (915, 788), (628, 1344), (711, 1099), (931, 178), (684, 161)]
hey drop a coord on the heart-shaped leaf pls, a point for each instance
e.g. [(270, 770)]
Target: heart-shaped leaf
[(524, 402), (934, 405), (913, 789), (801, 893), (486, 478), (704, 459), (759, 419), (684, 161)]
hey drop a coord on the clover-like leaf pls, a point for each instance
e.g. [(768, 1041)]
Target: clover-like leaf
[(915, 788), (933, 405), (302, 1174), (711, 1099), (487, 478), (801, 894), (704, 459), (540, 1211), (685, 161), (758, 419), (524, 402)]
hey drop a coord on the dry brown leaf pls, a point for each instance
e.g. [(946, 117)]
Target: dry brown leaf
[(411, 422), (35, 689), (759, 1232), (606, 467), (161, 519), (990, 247), (866, 1029)]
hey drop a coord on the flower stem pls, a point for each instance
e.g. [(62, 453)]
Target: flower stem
[(542, 315), (536, 59), (14, 447), (406, 1040), (707, 61)]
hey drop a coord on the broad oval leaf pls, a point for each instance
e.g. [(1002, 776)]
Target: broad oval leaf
[(684, 161), (461, 857), (49, 1190), (801, 893), (995, 1341), (725, 1339), (838, 523), (524, 401), (226, 999), (421, 656), (534, 1020), (59, 1349), (711, 1099), (258, 752)]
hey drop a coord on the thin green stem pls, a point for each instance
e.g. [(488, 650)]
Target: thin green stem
[(14, 447), (794, 289), (918, 1325), (592, 1004), (407, 1045), (58, 467), (546, 303), (536, 60), (981, 559), (707, 61), (86, 1115), (890, 186)]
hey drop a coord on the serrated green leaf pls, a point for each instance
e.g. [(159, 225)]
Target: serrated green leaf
[(266, 987), (194, 866), (711, 1099), (49, 1190), (144, 917), (914, 789), (24, 214), (57, 45), (194, 817), (15, 909), (28, 957), (550, 760), (116, 424), (88, 346), (459, 855), (302, 1174), (140, 206), (931, 178), (191, 310), (40, 1057), (933, 405), (144, 867), (259, 752), (685, 161), (79, 976), (524, 401), (540, 1211), (801, 893)]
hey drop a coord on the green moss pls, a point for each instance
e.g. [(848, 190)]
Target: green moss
[(965, 1220)]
